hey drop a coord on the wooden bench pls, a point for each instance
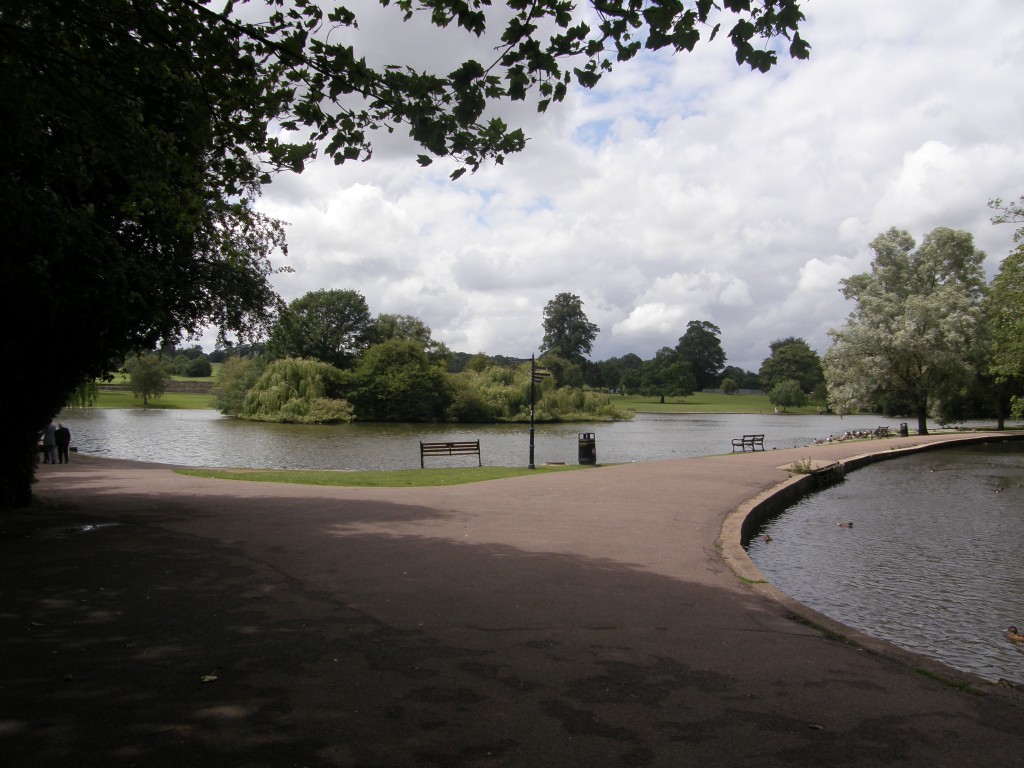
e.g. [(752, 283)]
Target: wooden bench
[(451, 448), (883, 432), (748, 441)]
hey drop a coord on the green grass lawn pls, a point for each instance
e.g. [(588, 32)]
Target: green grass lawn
[(170, 400), (395, 478), (703, 402)]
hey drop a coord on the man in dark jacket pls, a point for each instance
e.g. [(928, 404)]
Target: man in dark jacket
[(63, 438)]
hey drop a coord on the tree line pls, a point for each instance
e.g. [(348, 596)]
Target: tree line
[(927, 336), (327, 359)]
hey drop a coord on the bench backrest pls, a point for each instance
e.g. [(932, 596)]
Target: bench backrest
[(451, 448)]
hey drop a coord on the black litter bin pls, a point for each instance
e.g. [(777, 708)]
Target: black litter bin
[(588, 448), (904, 432)]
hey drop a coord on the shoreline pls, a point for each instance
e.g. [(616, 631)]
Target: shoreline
[(738, 527)]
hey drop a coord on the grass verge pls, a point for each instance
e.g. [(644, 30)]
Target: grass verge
[(704, 402), (398, 478), (167, 401)]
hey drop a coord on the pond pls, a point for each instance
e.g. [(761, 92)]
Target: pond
[(206, 438), (932, 562)]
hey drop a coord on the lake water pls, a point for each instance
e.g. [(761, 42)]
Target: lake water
[(206, 438), (932, 563)]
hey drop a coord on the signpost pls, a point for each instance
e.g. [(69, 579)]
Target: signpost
[(537, 375)]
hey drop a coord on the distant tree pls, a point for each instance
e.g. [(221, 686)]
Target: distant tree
[(632, 373), (916, 320), (468, 404), (567, 331), (397, 381), (702, 349), (296, 391), (787, 394), (1001, 371), (330, 326), (1005, 302), (729, 386), (564, 373), (792, 358), (745, 379), (200, 367), (237, 375), (387, 327), (84, 396), (667, 374), (477, 362), (605, 374), (148, 376)]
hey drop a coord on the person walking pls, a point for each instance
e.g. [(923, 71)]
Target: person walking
[(50, 444), (63, 439)]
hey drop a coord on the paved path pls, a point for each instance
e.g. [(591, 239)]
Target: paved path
[(570, 619)]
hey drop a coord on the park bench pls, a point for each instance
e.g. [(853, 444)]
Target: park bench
[(748, 441), (451, 448), (883, 432)]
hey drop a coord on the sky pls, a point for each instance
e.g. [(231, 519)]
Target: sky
[(683, 187)]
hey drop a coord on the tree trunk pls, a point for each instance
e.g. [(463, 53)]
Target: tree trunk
[(18, 457), (922, 420)]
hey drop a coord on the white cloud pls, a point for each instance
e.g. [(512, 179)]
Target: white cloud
[(684, 188)]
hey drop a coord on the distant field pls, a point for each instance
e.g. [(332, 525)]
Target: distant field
[(171, 400), (703, 402)]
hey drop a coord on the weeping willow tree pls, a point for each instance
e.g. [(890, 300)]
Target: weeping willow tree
[(298, 391), (84, 396)]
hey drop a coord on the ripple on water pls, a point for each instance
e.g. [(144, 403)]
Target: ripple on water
[(932, 562)]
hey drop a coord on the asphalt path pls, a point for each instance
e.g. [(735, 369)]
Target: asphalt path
[(605, 617)]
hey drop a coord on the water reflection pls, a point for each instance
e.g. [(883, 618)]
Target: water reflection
[(933, 560)]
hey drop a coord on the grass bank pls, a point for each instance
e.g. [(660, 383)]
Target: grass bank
[(396, 478), (704, 402), (106, 398)]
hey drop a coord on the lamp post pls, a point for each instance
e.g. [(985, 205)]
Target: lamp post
[(533, 381)]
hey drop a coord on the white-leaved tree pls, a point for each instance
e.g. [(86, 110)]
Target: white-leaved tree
[(909, 340)]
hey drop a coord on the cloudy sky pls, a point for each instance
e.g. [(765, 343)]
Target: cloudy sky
[(684, 188)]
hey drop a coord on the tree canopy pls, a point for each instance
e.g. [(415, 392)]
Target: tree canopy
[(135, 134), (792, 359), (147, 376), (667, 374), (1006, 300), (330, 326), (567, 331), (911, 334), (701, 347)]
